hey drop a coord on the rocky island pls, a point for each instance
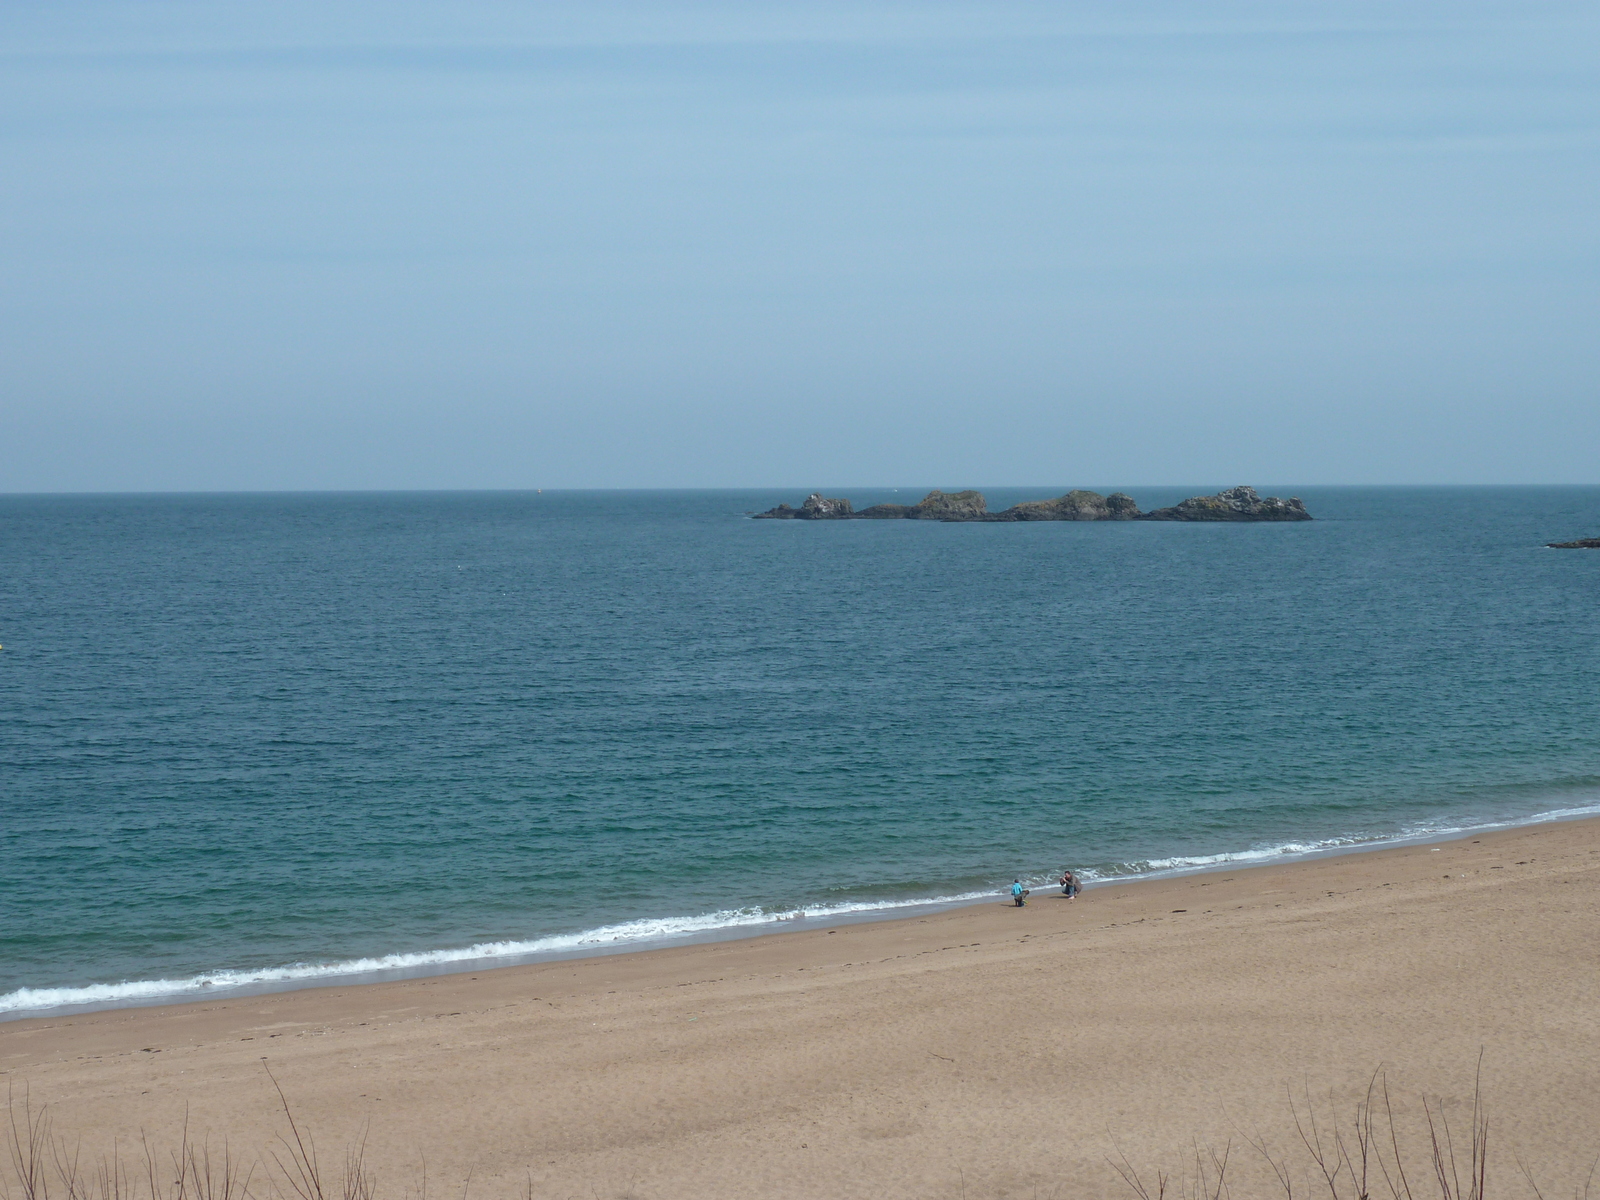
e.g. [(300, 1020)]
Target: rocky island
[(1580, 544), (1235, 504)]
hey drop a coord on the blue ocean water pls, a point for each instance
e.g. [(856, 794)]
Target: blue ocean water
[(267, 737)]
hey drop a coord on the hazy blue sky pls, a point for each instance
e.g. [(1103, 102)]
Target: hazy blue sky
[(390, 245)]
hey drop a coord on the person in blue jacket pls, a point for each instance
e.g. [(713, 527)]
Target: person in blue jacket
[(1018, 892)]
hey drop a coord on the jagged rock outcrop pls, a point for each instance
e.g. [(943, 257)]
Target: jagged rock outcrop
[(1076, 505), (949, 506), (1580, 544), (1235, 504), (817, 507), (935, 506)]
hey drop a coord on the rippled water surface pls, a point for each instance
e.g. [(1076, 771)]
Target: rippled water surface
[(268, 735)]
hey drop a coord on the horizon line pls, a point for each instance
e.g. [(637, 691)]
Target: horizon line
[(807, 489)]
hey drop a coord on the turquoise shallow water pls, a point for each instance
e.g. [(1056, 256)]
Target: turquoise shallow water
[(272, 737)]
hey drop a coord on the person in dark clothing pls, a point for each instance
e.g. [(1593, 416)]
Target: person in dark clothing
[(1070, 887)]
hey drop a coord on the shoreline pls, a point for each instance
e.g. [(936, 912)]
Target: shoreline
[(740, 927), (887, 1058)]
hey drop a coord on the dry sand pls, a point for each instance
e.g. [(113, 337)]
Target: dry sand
[(987, 1051)]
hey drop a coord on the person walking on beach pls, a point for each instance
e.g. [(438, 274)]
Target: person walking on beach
[(1070, 887), (1018, 892)]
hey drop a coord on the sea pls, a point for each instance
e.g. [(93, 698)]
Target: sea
[(265, 741)]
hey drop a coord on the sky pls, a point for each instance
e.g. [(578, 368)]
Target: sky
[(348, 245)]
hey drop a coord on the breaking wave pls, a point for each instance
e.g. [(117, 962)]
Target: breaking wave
[(637, 933), (664, 930)]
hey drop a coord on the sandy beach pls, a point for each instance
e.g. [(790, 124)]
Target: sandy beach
[(985, 1051)]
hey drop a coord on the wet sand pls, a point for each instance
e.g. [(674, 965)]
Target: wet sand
[(984, 1051)]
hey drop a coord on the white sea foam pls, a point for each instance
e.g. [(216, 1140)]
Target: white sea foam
[(1284, 851), (668, 929), (647, 930)]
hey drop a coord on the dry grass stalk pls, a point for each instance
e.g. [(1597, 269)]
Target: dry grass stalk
[(42, 1166), (303, 1172), (1208, 1180), (27, 1139), (1353, 1159)]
